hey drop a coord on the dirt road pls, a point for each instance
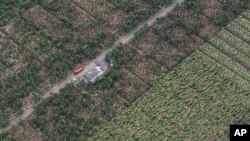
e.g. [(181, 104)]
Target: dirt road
[(99, 60)]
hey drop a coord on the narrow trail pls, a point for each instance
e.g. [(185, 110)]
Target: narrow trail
[(99, 60)]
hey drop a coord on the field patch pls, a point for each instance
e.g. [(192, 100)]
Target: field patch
[(197, 95), (45, 21), (10, 57), (130, 86)]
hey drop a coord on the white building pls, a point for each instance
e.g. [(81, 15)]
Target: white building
[(93, 74)]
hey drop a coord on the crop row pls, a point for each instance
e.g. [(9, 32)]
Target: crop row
[(67, 12), (221, 45), (225, 61), (159, 50), (244, 22), (235, 41), (130, 86), (234, 27), (199, 92), (102, 10), (247, 14)]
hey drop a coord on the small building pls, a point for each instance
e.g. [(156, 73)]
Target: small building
[(93, 74)]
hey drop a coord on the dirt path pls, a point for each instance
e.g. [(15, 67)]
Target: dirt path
[(99, 60)]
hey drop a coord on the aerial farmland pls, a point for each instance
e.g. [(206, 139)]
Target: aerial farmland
[(123, 69)]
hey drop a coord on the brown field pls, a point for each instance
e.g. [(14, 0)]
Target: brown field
[(130, 86)]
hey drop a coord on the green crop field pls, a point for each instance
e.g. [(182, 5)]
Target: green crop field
[(230, 48), (197, 100)]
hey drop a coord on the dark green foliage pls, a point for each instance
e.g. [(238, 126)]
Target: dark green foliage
[(194, 5), (38, 122), (82, 52), (43, 45), (65, 109), (230, 9), (134, 18), (4, 119), (158, 3), (193, 29), (8, 9), (118, 56), (235, 7), (6, 137), (160, 32), (18, 86), (136, 13), (108, 80), (141, 32), (59, 42), (69, 131), (96, 38), (221, 19), (58, 64)]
